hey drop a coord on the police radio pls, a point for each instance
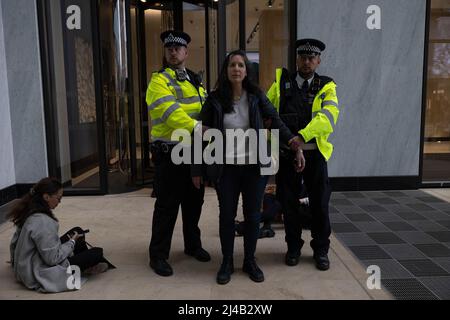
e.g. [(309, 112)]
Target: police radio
[(315, 86), (181, 74)]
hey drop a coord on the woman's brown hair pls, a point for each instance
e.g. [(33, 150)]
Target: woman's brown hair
[(33, 201)]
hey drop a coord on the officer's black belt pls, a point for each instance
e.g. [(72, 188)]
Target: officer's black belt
[(161, 146)]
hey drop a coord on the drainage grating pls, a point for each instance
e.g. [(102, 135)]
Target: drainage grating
[(420, 207), (373, 208), (427, 225), (439, 286), (444, 263), (385, 201), (445, 207), (369, 252), (363, 201), (397, 208), (404, 251), (349, 209), (423, 268), (442, 236), (373, 226), (399, 226), (409, 216), (445, 223), (385, 238), (408, 289), (359, 217), (416, 237), (338, 218), (354, 195), (395, 194), (344, 227), (436, 215), (385, 216), (429, 199), (390, 269), (355, 239), (342, 202), (407, 238), (435, 250)]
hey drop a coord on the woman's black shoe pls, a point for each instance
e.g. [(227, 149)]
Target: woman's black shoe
[(225, 272), (253, 270)]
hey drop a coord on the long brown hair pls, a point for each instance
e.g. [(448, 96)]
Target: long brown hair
[(33, 201), (223, 86)]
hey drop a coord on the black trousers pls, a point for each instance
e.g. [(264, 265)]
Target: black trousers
[(174, 188), (245, 179), (318, 188), (83, 257)]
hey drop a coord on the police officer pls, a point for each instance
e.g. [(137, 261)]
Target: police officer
[(308, 104), (174, 97)]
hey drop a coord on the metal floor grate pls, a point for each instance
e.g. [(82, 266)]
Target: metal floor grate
[(369, 252), (406, 233), (408, 289), (434, 250), (423, 268), (441, 286)]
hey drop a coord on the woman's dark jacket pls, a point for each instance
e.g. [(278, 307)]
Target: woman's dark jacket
[(260, 108)]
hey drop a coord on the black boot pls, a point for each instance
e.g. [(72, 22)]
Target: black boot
[(225, 271), (253, 270)]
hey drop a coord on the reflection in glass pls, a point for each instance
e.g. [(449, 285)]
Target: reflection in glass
[(73, 89), (436, 158), (267, 38)]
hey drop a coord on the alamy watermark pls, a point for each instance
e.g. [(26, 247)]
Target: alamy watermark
[(374, 280), (73, 21), (253, 143), (74, 280), (374, 20)]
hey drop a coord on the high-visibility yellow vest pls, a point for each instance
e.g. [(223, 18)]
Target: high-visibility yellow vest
[(172, 104), (325, 113)]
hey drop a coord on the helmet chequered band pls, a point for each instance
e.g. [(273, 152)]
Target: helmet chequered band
[(172, 39)]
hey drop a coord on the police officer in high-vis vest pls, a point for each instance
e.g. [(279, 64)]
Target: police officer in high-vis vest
[(174, 97), (307, 104)]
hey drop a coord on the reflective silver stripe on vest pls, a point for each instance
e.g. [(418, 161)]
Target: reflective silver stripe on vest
[(328, 114), (329, 103), (330, 117), (166, 114), (160, 101), (189, 100), (174, 84)]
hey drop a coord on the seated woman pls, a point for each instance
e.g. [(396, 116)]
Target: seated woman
[(40, 258)]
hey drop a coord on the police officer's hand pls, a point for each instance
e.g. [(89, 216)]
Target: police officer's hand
[(296, 143), (300, 161), (197, 181)]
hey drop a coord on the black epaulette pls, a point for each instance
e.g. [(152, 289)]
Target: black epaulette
[(318, 83)]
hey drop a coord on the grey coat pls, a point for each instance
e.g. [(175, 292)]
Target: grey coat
[(38, 258)]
